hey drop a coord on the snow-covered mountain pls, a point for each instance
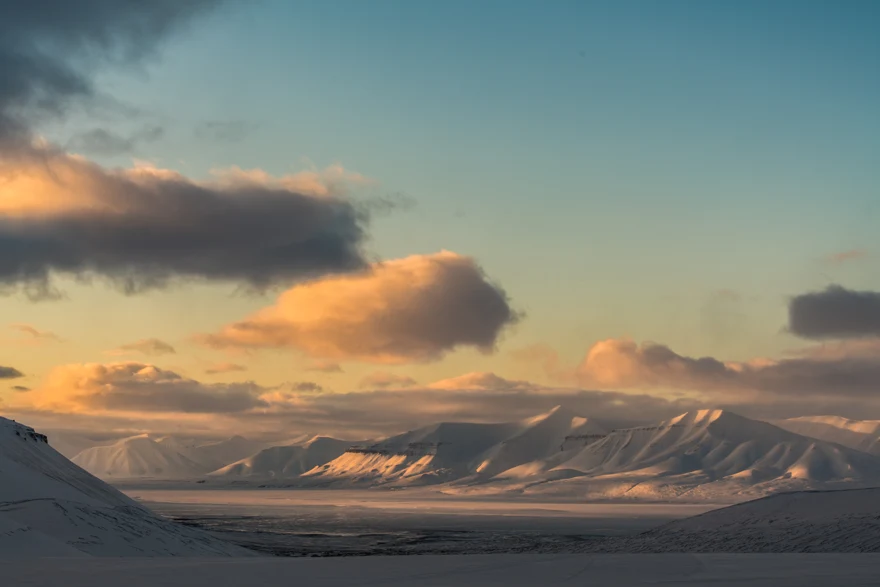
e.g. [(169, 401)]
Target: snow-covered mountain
[(703, 455), (213, 455), (51, 507), (861, 435), (287, 461), (167, 457), (138, 456), (453, 451)]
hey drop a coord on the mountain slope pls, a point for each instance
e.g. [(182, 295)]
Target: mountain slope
[(51, 507), (212, 455), (286, 461), (138, 456), (701, 455), (863, 435), (455, 452), (707, 454)]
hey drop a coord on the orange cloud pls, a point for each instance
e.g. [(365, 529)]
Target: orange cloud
[(482, 382), (135, 388), (407, 310), (623, 364)]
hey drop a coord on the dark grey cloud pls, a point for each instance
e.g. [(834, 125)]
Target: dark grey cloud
[(230, 131), (836, 312), (20, 388), (10, 373), (101, 141), (139, 230), (49, 49)]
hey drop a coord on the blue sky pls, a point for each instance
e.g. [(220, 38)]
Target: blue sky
[(613, 165)]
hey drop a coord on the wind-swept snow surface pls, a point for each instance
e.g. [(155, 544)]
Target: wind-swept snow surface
[(701, 455), (813, 521), (287, 461), (51, 507), (517, 570)]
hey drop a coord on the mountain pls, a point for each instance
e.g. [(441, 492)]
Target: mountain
[(454, 451), (810, 521), (861, 435), (702, 455), (215, 454), (51, 507), (138, 456), (287, 461), (705, 455)]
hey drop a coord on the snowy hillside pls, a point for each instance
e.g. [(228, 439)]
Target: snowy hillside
[(700, 455), (138, 456), (861, 435), (51, 507), (287, 461), (812, 521)]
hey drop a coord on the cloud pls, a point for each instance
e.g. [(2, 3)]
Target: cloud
[(100, 141), (141, 228), (225, 368), (306, 386), (414, 309), (623, 364), (146, 346), (231, 131), (10, 373), (137, 387), (835, 312), (144, 228), (385, 380), (482, 382), (20, 388), (846, 256), (49, 51), (36, 334), (324, 367)]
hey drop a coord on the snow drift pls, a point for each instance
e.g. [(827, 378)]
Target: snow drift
[(51, 507)]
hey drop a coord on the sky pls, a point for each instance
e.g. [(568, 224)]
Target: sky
[(348, 216)]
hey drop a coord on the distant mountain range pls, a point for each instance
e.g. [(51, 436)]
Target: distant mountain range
[(701, 455)]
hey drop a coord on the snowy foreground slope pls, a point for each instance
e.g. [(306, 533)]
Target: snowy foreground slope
[(707, 455), (51, 507), (810, 521), (521, 570)]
